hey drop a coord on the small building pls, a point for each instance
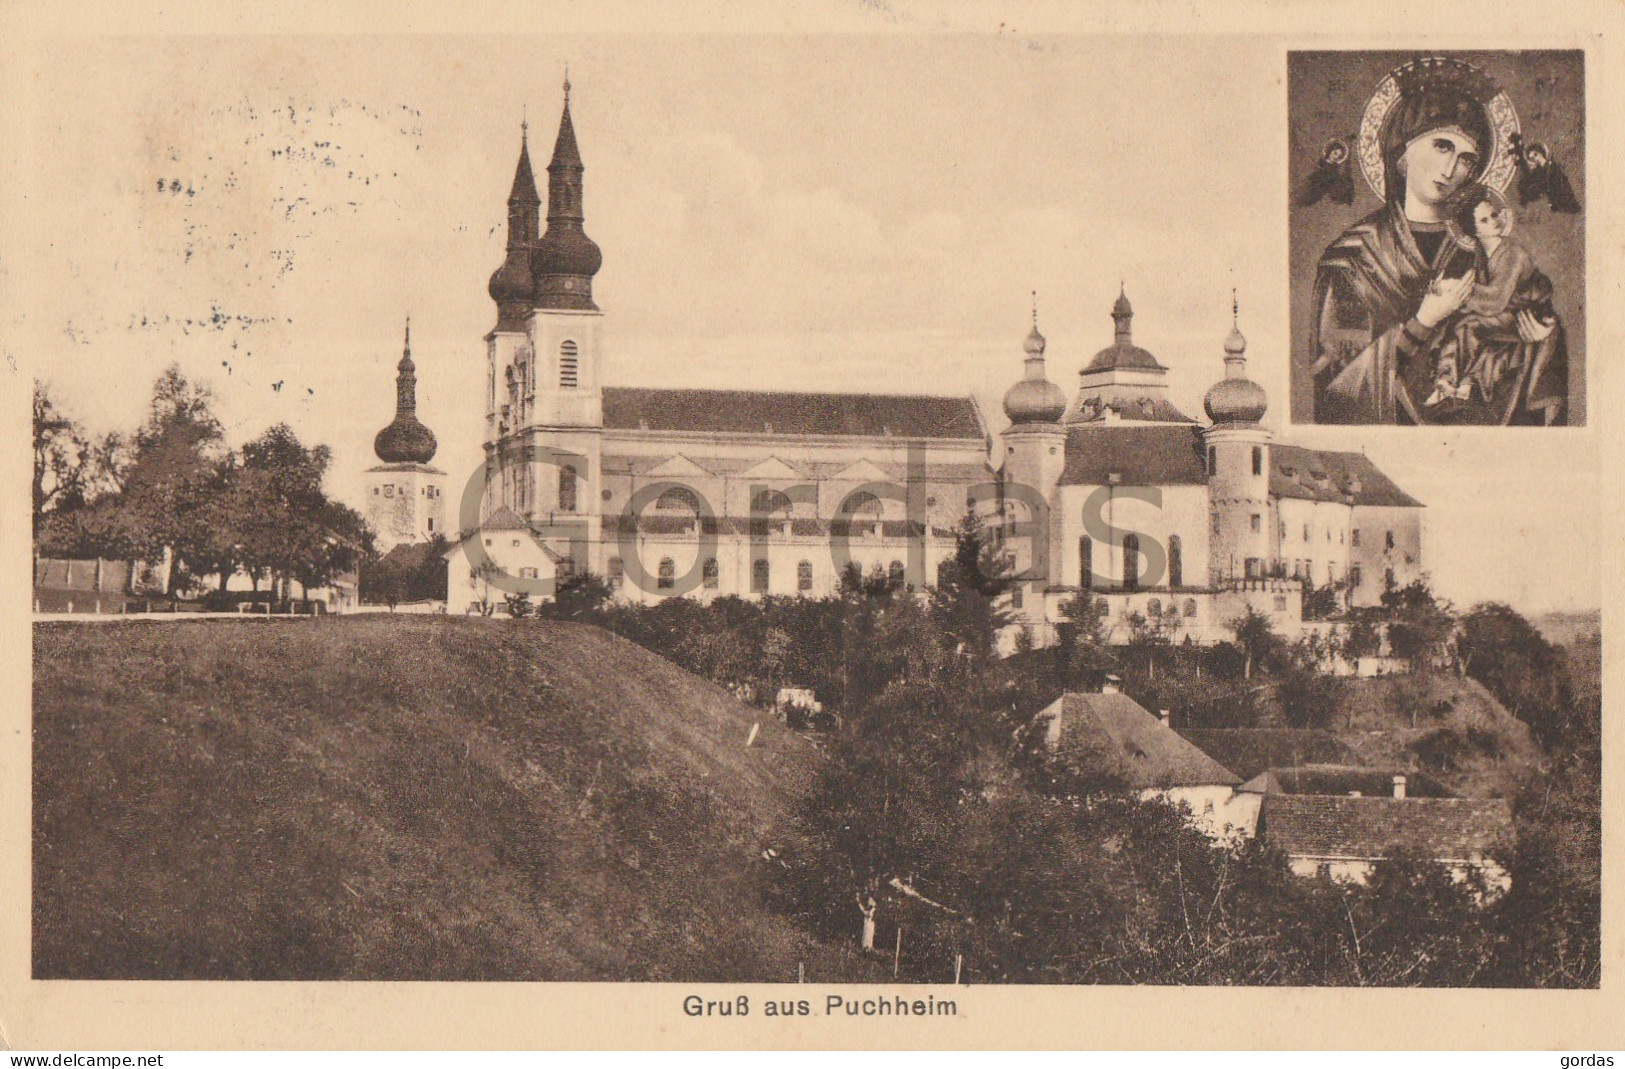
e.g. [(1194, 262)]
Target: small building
[(503, 556), (1110, 738), (1343, 838)]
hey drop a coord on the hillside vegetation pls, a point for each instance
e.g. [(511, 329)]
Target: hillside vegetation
[(401, 798)]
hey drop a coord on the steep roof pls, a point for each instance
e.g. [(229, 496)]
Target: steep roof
[(1250, 751), (1153, 455), (1330, 826), (1323, 475), (773, 412), (1342, 780), (1111, 735)]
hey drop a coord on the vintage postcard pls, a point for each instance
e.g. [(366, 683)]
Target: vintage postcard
[(679, 536)]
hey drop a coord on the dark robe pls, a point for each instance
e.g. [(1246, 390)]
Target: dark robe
[(1374, 362)]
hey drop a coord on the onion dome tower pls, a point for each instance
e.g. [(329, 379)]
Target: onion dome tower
[(512, 285), (406, 440), (1235, 398), (1035, 399), (1124, 382), (1034, 457), (405, 494), (565, 259), (1243, 540)]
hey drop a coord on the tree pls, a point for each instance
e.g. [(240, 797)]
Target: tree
[(964, 601), (172, 480), (73, 472), (294, 531), (1510, 656), (1255, 634), (1419, 624)]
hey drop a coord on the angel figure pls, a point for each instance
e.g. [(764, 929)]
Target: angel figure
[(1331, 177), (1541, 176)]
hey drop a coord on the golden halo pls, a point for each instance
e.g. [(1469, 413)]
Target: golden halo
[(1500, 112)]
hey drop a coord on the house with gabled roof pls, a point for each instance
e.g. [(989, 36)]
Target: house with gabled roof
[(1108, 740), (1344, 838), (504, 556)]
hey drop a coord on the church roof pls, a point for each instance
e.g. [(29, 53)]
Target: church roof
[(1321, 475), (1144, 455), (1447, 829), (1112, 735), (1145, 409), (1251, 751), (772, 412)]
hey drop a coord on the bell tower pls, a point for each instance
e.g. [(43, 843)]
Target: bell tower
[(544, 395), (1242, 533)]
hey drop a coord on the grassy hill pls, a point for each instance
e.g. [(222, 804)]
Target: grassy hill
[(1439, 722), (401, 798)]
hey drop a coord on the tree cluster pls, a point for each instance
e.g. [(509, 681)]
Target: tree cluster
[(176, 487)]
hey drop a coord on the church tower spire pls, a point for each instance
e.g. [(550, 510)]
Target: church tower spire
[(566, 259), (513, 286)]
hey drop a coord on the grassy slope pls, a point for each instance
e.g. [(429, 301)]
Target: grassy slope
[(1470, 743), (394, 797)]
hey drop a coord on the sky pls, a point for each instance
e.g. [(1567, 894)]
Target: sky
[(848, 213)]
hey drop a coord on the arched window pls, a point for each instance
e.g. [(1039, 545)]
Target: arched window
[(804, 576), (1212, 460), (666, 577), (709, 574), (617, 573), (1258, 460), (896, 573), (1086, 563), (1190, 606), (567, 488), (759, 575), (678, 499), (864, 509), (1154, 607), (1131, 562), (1176, 562), (569, 366)]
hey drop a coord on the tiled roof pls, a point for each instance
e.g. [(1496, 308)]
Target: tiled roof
[(1329, 826), (504, 519), (1111, 735), (1343, 780), (1150, 409), (760, 412), (655, 523), (1321, 475), (1154, 455), (1249, 751)]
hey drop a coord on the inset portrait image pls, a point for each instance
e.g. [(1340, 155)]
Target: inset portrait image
[(1437, 238)]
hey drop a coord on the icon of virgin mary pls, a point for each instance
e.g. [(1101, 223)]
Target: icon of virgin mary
[(1392, 290)]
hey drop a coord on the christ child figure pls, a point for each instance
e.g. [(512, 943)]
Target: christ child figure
[(1484, 336)]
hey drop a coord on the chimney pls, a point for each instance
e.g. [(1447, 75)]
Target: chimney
[(1163, 715), (1399, 784), (1109, 685)]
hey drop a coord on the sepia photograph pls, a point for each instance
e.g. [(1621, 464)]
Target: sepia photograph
[(838, 509)]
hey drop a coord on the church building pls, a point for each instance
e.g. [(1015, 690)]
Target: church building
[(700, 492), (1178, 526), (1115, 494)]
